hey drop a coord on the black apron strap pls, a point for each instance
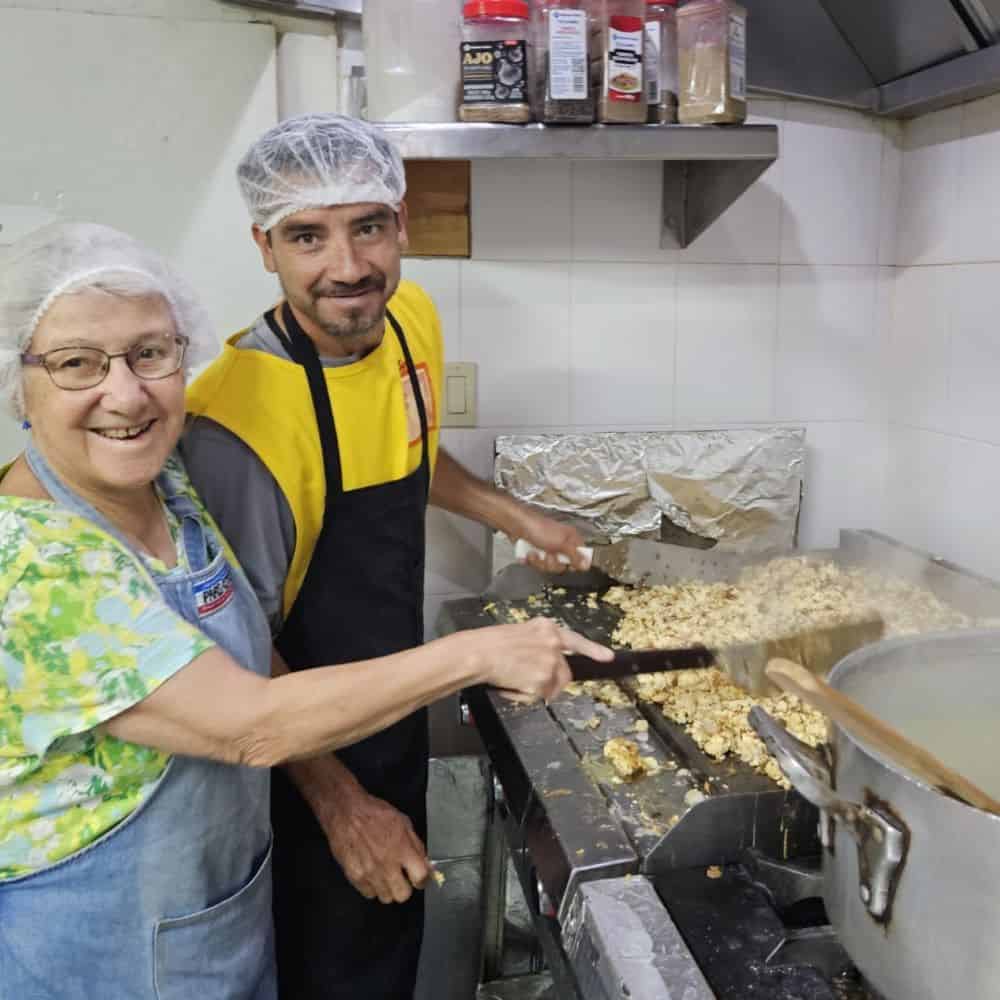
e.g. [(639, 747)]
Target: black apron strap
[(303, 350), (275, 327), (418, 393)]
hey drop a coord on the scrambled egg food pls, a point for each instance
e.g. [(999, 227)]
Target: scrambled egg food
[(625, 758), (778, 598), (773, 599), (714, 712)]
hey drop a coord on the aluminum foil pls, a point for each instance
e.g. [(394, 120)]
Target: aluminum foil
[(738, 490)]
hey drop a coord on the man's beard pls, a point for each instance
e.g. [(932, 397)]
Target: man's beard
[(356, 323)]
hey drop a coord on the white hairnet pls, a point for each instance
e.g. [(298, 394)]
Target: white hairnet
[(318, 160), (67, 257)]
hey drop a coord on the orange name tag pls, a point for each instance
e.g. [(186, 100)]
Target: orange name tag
[(426, 393)]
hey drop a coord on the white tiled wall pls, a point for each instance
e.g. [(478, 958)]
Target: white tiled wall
[(779, 313), (138, 122), (851, 289), (944, 350)]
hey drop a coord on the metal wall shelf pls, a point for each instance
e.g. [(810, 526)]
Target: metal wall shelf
[(705, 168)]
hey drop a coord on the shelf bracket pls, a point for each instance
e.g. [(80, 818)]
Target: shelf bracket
[(705, 167), (697, 192)]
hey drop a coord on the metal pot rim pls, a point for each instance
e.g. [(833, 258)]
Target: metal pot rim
[(877, 650), (860, 658)]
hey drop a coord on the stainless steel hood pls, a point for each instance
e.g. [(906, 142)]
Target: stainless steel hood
[(898, 58)]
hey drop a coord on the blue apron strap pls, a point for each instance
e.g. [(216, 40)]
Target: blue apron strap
[(65, 497), (193, 532)]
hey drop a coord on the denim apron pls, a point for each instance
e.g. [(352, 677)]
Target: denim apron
[(173, 903), (363, 597)]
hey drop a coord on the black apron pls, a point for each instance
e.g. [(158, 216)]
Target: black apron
[(362, 597)]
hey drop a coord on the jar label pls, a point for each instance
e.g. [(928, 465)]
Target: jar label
[(652, 57), (625, 63), (568, 55), (494, 72), (737, 57)]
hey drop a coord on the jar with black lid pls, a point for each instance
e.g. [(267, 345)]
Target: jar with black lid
[(566, 96)]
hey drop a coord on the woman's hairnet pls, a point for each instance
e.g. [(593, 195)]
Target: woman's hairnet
[(67, 257), (318, 160)]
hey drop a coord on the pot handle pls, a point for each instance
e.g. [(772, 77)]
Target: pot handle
[(881, 838)]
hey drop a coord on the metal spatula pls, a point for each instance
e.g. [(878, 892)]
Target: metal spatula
[(643, 562), (817, 649)]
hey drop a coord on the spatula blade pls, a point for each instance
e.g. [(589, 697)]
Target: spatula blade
[(817, 649), (643, 562)]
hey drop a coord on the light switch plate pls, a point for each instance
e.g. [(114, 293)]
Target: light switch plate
[(458, 407)]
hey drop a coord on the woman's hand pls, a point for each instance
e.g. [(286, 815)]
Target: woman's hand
[(526, 662)]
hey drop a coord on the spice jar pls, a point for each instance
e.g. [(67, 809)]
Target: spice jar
[(661, 61), (566, 96), (712, 47), (619, 45), (495, 62)]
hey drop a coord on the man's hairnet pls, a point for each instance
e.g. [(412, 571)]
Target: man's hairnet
[(318, 160), (67, 257)]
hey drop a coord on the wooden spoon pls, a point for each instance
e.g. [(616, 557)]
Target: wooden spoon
[(845, 711)]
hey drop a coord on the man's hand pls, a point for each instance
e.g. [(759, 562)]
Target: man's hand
[(455, 489), (377, 847), (551, 537), (375, 844)]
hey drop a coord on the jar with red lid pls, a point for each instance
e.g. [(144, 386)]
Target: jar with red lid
[(661, 61), (619, 52), (495, 55)]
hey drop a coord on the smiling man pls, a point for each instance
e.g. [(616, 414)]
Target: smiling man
[(314, 443)]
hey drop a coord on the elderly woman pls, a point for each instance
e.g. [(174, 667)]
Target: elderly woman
[(138, 718)]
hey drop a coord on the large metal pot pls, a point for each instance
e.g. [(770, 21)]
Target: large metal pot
[(911, 876)]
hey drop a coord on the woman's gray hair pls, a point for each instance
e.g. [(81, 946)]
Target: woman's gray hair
[(70, 257)]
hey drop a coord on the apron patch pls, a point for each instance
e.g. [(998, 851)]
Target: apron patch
[(426, 393), (215, 593)]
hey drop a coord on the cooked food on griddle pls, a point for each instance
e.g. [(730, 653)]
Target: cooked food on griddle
[(778, 598), (606, 692), (714, 712), (626, 759)]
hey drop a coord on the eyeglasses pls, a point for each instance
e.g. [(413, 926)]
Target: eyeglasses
[(76, 368)]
